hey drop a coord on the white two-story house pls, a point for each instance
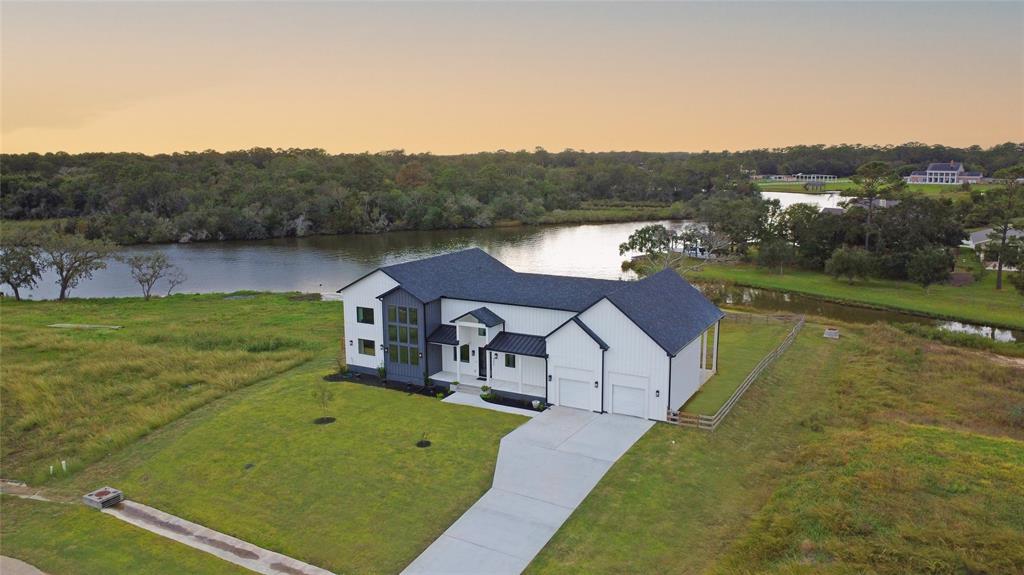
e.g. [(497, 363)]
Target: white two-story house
[(639, 348)]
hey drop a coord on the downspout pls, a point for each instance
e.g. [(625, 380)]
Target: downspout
[(602, 378), (547, 377), (669, 394)]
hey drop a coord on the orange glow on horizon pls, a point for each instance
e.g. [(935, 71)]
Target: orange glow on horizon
[(455, 78)]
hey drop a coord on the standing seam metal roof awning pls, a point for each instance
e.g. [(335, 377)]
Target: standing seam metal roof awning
[(482, 315), (444, 335), (518, 344)]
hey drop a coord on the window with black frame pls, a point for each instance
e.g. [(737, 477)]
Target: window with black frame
[(403, 335)]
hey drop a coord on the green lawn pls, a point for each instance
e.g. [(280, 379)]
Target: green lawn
[(354, 496), (80, 394), (876, 453), (979, 302), (61, 538), (745, 340), (931, 190)]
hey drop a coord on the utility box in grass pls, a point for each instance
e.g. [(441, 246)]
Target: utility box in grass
[(103, 497), (832, 332)]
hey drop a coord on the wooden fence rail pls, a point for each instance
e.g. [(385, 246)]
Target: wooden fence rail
[(710, 422)]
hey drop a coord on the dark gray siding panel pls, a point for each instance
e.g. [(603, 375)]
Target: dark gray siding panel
[(432, 317), (400, 371)]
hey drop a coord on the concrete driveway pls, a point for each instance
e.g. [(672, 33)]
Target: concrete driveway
[(545, 470)]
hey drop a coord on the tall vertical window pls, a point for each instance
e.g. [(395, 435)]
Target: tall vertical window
[(403, 335), (510, 360), (464, 353), (364, 315)]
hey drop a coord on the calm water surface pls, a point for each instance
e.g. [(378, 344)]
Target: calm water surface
[(325, 263)]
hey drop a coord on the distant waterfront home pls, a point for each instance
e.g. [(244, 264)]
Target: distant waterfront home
[(638, 348), (944, 173), (978, 239)]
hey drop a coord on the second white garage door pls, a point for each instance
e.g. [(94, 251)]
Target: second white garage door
[(573, 393), (628, 394)]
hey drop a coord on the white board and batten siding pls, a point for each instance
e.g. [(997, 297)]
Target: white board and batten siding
[(685, 374), (364, 294), (636, 368), (574, 361), (518, 319)]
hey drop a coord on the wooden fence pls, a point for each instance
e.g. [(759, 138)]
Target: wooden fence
[(711, 422)]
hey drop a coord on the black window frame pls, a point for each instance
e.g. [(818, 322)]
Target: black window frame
[(361, 315), (464, 358), (363, 346), (509, 356)]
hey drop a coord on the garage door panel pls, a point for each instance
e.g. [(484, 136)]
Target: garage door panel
[(628, 394), (574, 393), (628, 400)]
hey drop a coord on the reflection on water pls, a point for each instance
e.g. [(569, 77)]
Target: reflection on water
[(768, 300), (326, 263), (786, 199)]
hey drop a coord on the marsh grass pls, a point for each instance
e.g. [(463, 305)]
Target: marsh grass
[(77, 395), (877, 453)]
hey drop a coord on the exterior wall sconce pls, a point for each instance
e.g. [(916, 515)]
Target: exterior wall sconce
[(549, 377), (421, 354), (350, 342), (472, 352), (595, 385), (657, 393)]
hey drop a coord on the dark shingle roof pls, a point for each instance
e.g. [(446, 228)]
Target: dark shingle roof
[(669, 310), (586, 328), (519, 344), (482, 315), (444, 335), (944, 167), (474, 275)]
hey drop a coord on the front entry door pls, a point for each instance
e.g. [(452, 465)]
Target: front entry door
[(482, 357)]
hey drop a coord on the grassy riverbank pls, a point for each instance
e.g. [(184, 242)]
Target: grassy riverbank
[(978, 302), (876, 453)]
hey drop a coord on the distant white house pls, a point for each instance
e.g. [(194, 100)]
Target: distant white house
[(803, 177), (639, 348), (949, 173), (979, 238)]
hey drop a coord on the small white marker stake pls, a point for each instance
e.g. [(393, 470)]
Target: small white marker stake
[(64, 465), (51, 470)]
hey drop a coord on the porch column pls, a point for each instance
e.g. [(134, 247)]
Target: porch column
[(520, 367), (704, 350), (714, 348)]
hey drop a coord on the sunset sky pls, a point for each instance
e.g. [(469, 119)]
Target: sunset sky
[(449, 78)]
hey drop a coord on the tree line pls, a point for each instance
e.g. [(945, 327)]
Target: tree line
[(914, 238), (263, 193)]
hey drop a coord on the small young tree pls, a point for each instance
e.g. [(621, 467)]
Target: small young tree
[(74, 258), (146, 270), (849, 263), (323, 394), (175, 277), (776, 253), (929, 266), (21, 263)]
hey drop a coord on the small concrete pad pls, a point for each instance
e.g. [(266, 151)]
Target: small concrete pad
[(545, 469)]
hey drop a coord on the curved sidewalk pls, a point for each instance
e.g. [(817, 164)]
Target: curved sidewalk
[(545, 469)]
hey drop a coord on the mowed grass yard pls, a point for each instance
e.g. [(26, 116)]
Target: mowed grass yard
[(353, 496), (979, 302), (844, 185), (63, 538), (745, 340), (77, 395), (876, 453)]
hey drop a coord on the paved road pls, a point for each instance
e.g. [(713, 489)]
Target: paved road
[(12, 566), (545, 469)]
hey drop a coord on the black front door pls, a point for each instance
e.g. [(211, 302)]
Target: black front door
[(482, 353)]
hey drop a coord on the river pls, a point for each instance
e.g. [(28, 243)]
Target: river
[(325, 263)]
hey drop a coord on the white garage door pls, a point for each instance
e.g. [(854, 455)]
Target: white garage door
[(573, 393), (628, 400)]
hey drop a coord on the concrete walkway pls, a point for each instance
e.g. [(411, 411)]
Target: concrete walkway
[(12, 566), (545, 470), (213, 542), (461, 398)]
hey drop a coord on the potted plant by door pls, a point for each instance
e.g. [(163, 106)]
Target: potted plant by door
[(454, 386), (382, 373)]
